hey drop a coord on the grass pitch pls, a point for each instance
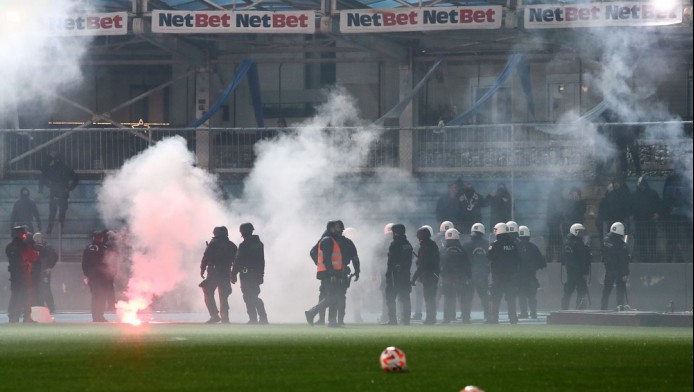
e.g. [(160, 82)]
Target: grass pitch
[(189, 357)]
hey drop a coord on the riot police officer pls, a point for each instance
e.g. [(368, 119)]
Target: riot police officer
[(504, 266), (21, 256), (576, 258), (428, 259), (397, 276), (48, 258), (329, 265), (531, 260), (217, 260), (616, 258), (99, 275), (477, 250), (349, 256), (250, 264), (455, 273)]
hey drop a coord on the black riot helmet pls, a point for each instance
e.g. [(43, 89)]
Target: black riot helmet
[(398, 228), (220, 231), (246, 228), (423, 232), (99, 236), (19, 232)]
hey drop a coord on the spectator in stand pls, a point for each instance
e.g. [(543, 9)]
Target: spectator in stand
[(616, 205), (448, 208), (24, 212), (647, 206), (500, 205), (555, 208), (575, 209), (471, 204), (60, 180), (676, 220)]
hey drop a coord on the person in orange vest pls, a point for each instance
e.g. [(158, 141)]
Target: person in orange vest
[(329, 267)]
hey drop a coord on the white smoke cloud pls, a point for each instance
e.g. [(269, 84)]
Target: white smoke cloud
[(35, 63), (300, 180)]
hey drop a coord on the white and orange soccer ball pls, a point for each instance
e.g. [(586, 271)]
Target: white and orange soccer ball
[(393, 359), (471, 388)]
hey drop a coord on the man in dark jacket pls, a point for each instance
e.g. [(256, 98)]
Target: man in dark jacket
[(616, 258), (397, 276), (503, 254), (217, 260), (455, 273), (500, 205), (24, 212), (21, 256), (647, 208), (99, 275), (576, 259), (329, 270), (349, 256), (531, 260), (471, 204), (60, 180), (477, 250), (448, 206), (48, 258), (250, 263), (427, 272)]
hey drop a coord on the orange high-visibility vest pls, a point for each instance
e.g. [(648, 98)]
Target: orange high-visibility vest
[(335, 258)]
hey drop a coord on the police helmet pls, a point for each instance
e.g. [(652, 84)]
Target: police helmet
[(431, 230), (452, 234), (478, 228), (445, 225), (246, 228), (19, 232), (398, 228), (500, 228), (576, 229), (523, 231), (220, 231), (424, 231), (388, 229), (512, 226), (99, 236), (617, 228), (38, 238)]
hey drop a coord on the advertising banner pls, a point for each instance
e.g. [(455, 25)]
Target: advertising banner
[(553, 16), (113, 23), (246, 22), (420, 19)]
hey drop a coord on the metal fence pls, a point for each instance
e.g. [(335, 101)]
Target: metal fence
[(482, 149)]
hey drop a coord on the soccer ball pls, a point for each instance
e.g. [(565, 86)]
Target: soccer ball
[(393, 359), (471, 388)]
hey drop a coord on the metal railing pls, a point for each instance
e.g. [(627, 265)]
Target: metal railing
[(482, 149)]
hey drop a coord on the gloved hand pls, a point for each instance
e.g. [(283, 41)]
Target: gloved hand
[(233, 279), (356, 277), (202, 274)]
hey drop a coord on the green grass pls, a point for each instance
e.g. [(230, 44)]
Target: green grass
[(186, 357)]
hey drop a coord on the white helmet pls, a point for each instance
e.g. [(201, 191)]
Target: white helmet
[(523, 231), (388, 229), (512, 226), (576, 228), (479, 228), (431, 230), (617, 228), (350, 232), (445, 225), (38, 237), (500, 228), (452, 234)]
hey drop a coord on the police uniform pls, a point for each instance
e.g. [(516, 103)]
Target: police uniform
[(398, 278), (531, 260), (504, 266), (477, 250), (349, 255), (576, 259), (21, 256), (250, 265), (428, 259), (217, 260), (99, 275), (455, 272), (616, 258)]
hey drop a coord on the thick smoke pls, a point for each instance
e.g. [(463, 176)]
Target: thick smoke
[(301, 180), (168, 208), (35, 63)]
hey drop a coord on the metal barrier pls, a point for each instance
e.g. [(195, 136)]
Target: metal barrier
[(502, 148)]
